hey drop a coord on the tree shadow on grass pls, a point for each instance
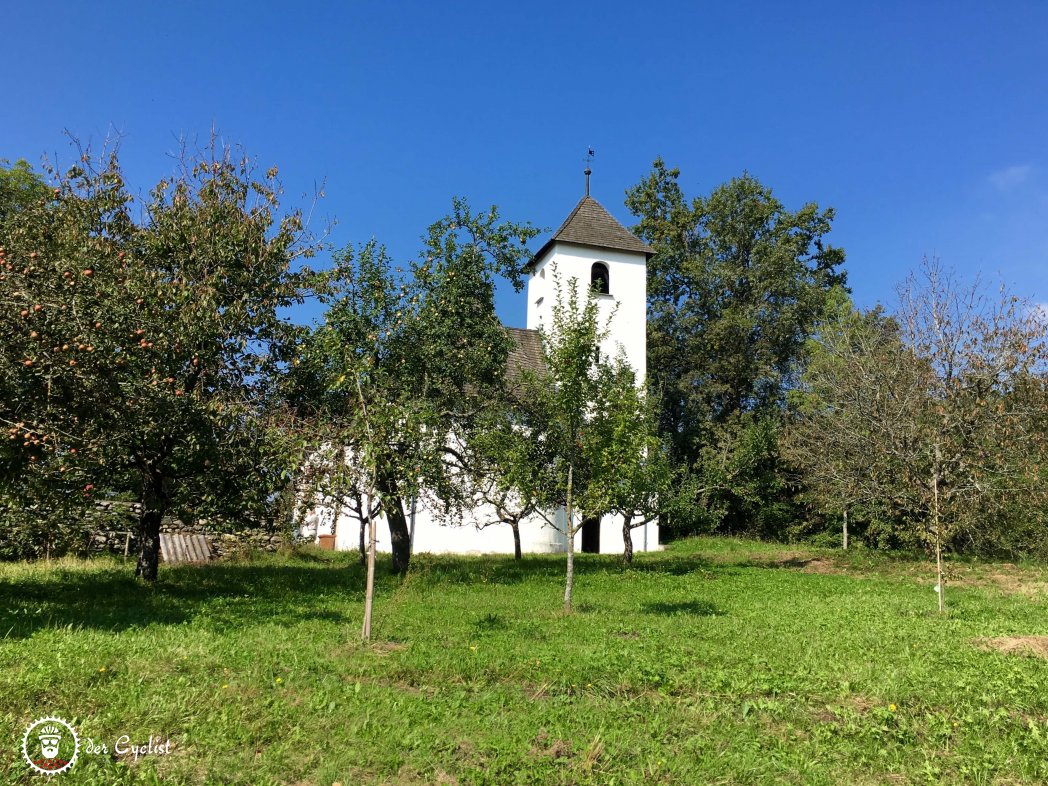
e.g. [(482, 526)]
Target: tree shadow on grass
[(694, 608), (435, 570), (227, 594), (105, 596), (677, 566)]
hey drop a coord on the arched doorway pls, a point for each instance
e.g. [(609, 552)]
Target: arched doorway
[(591, 535)]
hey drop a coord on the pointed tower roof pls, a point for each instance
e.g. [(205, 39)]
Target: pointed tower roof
[(589, 224)]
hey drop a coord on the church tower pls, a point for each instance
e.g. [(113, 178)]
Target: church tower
[(594, 249)]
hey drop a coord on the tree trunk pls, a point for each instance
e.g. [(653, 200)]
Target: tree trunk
[(154, 506), (516, 539), (844, 533), (363, 543), (939, 575), (936, 522), (369, 593), (569, 581), (399, 535), (627, 539)]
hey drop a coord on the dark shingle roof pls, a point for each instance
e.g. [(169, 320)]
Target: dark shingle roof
[(589, 224), (525, 355)]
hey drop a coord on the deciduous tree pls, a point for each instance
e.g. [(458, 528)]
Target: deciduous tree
[(419, 350), (932, 416), (737, 285), (141, 338), (572, 416)]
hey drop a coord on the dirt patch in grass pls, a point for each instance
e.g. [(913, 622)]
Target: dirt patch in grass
[(1036, 646), (386, 647), (465, 750), (1027, 580), (861, 704), (404, 684), (1013, 581), (545, 746), (821, 565), (836, 712), (375, 647), (799, 560), (535, 691), (1030, 581), (408, 776)]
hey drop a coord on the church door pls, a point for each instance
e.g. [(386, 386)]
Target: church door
[(591, 535)]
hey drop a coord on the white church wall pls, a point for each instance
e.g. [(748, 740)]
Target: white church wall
[(347, 532), (431, 535), (645, 537), (625, 305), (624, 312)]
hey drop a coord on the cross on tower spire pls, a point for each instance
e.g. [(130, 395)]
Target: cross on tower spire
[(589, 158)]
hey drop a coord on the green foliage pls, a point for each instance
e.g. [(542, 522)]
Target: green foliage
[(406, 362), (741, 482), (579, 439), (737, 285), (580, 436), (929, 423), (141, 338), (20, 188), (38, 526), (861, 385), (633, 464), (843, 678), (561, 408), (507, 470), (33, 532)]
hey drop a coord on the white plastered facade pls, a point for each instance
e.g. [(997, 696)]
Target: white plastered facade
[(624, 311)]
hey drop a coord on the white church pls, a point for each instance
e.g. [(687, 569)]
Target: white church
[(594, 250)]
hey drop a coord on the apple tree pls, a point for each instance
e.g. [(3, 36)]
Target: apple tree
[(142, 336), (407, 359)]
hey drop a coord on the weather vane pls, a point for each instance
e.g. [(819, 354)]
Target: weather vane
[(588, 159)]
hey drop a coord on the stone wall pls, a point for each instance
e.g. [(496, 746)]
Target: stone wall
[(120, 518), (224, 544), (109, 529)]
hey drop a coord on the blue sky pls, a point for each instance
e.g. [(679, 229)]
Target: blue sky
[(924, 124)]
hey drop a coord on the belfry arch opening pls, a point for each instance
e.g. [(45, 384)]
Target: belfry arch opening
[(600, 279)]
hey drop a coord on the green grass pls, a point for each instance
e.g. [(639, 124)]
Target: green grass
[(718, 661)]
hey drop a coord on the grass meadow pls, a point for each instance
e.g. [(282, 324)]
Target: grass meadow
[(716, 661)]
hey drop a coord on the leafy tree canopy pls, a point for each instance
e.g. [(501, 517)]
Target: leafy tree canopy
[(141, 338), (407, 359), (737, 285)]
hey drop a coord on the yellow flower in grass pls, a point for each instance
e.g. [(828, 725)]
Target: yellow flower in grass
[(891, 708), (101, 669), (279, 680), (472, 647), (225, 687)]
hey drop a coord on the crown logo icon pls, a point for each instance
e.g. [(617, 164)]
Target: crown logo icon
[(49, 731)]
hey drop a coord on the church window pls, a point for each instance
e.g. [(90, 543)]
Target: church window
[(599, 279)]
